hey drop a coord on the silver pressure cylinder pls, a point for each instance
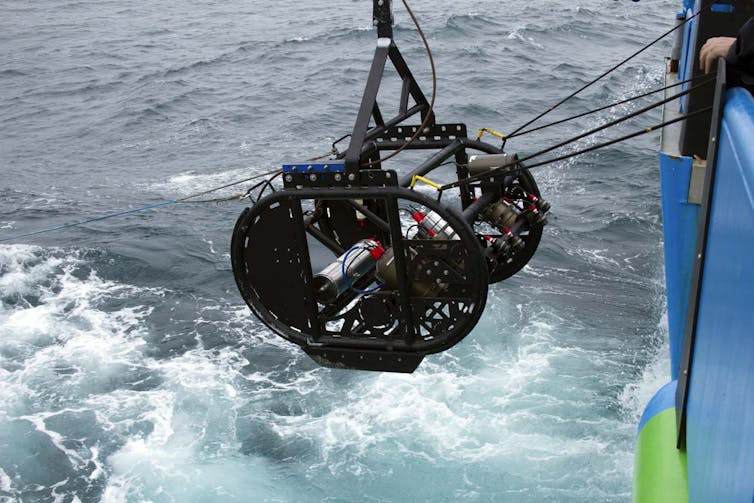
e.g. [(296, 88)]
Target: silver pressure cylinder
[(478, 164), (330, 283), (434, 226)]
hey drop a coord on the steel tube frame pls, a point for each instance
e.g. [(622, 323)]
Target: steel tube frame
[(386, 49)]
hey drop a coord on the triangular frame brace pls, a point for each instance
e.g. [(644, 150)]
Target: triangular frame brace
[(368, 110)]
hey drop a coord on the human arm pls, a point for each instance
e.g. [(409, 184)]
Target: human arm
[(741, 53)]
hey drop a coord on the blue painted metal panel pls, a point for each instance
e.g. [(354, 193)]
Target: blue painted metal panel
[(720, 412), (315, 167), (722, 7), (680, 220), (664, 399)]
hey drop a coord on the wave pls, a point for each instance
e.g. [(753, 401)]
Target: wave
[(10, 72), (135, 372), (465, 23), (78, 381)]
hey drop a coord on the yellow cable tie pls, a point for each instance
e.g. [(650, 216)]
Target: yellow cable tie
[(489, 131), (429, 182)]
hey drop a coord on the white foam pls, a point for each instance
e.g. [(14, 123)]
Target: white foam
[(196, 406), (517, 34), (637, 394), (38, 421), (66, 331), (448, 411), (488, 401), (5, 484), (191, 182), (23, 268)]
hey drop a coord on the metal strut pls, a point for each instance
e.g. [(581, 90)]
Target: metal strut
[(369, 109)]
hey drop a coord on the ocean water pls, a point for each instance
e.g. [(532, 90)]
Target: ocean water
[(130, 368)]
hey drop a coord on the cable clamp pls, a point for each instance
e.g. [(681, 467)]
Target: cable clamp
[(490, 131), (424, 180)]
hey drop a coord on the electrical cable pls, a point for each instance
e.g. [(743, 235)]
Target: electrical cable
[(605, 107), (410, 228), (90, 220), (509, 169), (268, 184), (578, 137), (215, 189), (186, 199), (676, 27), (344, 272)]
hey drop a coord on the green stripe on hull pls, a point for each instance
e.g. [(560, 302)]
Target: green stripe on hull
[(660, 473)]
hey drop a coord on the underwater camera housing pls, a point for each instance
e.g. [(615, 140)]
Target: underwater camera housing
[(361, 270)]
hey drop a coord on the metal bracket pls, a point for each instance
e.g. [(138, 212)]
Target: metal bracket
[(696, 184), (362, 359), (434, 132), (692, 313), (302, 176), (369, 109), (382, 17)]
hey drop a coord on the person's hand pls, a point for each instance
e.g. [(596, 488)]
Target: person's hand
[(713, 49)]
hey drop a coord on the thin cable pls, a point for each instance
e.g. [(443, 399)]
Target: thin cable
[(268, 183), (622, 138), (428, 115), (344, 271), (506, 170), (90, 220), (578, 137), (215, 189), (410, 228), (234, 197), (616, 121), (609, 71), (137, 210), (605, 107), (333, 151)]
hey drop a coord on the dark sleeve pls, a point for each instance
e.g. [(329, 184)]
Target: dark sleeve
[(741, 54)]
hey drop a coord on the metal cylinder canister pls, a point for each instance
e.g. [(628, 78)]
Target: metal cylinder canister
[(433, 226), (361, 258), (386, 273), (501, 215), (479, 164)]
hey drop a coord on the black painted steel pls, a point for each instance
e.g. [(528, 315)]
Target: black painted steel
[(369, 108), (433, 258), (439, 296), (368, 101), (687, 355)]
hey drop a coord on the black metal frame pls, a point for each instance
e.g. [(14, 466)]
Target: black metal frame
[(369, 109), (354, 199), (275, 278), (692, 313), (450, 140)]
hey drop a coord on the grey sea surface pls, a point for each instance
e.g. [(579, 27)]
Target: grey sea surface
[(130, 367)]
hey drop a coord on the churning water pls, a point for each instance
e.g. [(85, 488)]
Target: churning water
[(130, 368)]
